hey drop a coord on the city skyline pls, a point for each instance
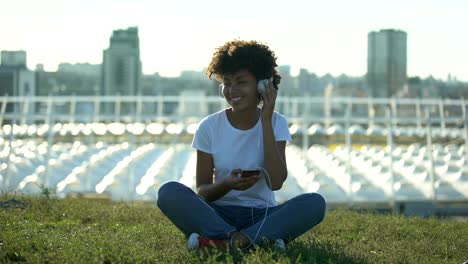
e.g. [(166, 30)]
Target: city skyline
[(322, 37)]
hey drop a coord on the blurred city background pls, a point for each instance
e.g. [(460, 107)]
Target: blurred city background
[(384, 139)]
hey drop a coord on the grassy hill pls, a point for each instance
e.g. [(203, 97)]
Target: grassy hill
[(49, 230)]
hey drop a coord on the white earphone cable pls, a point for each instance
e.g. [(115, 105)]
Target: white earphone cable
[(266, 209), (266, 202)]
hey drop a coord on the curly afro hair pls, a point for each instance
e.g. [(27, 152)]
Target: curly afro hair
[(238, 55)]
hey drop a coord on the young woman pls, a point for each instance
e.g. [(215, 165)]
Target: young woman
[(231, 209)]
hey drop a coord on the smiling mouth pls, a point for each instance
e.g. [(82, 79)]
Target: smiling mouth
[(236, 99)]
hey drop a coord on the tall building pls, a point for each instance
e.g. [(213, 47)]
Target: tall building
[(15, 78), (14, 58), (121, 63), (287, 84), (386, 62)]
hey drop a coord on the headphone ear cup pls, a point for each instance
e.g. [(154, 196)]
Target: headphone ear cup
[(221, 90), (261, 87)]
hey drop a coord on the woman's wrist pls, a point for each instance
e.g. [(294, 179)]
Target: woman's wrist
[(266, 119), (226, 184)]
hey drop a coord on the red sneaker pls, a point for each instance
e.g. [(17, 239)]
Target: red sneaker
[(195, 241)]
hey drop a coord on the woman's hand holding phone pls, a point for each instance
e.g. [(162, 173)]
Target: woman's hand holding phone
[(238, 182), (250, 173)]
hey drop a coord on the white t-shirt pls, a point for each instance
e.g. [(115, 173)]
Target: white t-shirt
[(232, 148)]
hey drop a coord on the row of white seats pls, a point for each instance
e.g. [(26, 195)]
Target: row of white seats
[(115, 128), (376, 130), (355, 173), (119, 129), (101, 158), (108, 170), (137, 173)]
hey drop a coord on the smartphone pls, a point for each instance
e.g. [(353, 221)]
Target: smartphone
[(250, 173)]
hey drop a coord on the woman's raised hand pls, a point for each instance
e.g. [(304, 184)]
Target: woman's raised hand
[(269, 99)]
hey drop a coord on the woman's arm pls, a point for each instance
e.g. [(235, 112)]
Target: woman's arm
[(274, 152), (275, 157), (208, 190), (212, 191)]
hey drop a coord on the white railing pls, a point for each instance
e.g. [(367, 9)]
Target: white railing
[(365, 111)]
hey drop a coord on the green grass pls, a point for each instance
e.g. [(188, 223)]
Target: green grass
[(86, 231)]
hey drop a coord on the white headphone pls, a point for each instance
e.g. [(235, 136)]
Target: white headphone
[(221, 90), (261, 87)]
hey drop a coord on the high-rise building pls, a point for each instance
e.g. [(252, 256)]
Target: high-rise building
[(15, 78), (287, 83), (121, 63), (386, 62), (15, 58)]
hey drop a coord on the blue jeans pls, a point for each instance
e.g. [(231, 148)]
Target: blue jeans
[(191, 214)]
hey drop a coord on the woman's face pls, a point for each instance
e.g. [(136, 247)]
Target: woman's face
[(240, 90)]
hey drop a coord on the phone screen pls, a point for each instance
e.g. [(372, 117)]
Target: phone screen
[(249, 173)]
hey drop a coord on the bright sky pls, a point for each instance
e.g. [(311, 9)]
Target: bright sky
[(321, 36)]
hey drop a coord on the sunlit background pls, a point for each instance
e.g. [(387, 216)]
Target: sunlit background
[(321, 36), (102, 98)]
